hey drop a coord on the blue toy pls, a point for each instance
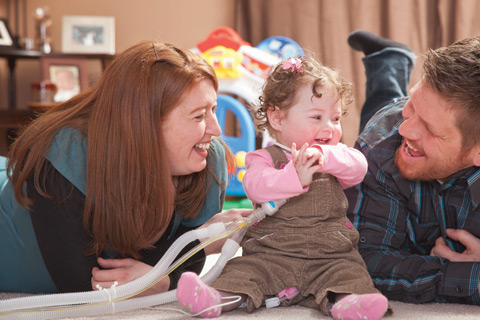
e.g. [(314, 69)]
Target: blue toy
[(241, 71), (241, 145), (282, 47)]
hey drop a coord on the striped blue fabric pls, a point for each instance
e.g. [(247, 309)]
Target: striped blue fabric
[(399, 221)]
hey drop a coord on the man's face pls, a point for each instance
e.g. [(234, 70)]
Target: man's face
[(432, 145)]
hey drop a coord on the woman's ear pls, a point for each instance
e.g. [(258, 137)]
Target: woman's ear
[(275, 118)]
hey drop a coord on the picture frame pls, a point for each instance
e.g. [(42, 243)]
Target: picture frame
[(88, 34), (6, 38), (68, 74)]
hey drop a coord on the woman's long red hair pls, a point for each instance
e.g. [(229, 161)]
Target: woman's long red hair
[(130, 196)]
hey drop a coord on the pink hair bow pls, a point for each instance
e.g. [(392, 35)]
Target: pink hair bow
[(294, 64)]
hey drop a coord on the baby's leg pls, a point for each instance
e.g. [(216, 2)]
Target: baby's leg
[(196, 296), (360, 306)]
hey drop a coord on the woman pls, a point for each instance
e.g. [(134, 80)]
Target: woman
[(119, 171)]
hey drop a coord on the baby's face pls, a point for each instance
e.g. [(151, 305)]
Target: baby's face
[(311, 120)]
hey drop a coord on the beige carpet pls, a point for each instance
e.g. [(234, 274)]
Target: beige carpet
[(404, 311), (401, 311)]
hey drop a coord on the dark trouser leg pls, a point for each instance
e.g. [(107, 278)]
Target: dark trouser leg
[(388, 74)]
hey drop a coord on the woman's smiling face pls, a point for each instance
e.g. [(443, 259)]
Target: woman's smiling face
[(188, 130)]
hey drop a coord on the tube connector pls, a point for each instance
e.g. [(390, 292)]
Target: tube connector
[(271, 207), (267, 208), (213, 230), (230, 247)]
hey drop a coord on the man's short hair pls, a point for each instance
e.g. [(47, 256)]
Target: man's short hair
[(454, 73)]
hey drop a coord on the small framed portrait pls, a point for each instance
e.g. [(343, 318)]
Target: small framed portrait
[(6, 39), (88, 34), (69, 76)]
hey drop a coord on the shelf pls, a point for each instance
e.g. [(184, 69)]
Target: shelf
[(13, 119), (34, 54), (12, 55)]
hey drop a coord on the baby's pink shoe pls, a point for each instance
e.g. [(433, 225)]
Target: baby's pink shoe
[(360, 307), (196, 296)]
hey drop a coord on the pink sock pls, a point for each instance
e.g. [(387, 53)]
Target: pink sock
[(196, 296), (360, 307)]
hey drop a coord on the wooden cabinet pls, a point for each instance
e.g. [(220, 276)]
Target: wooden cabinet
[(13, 118)]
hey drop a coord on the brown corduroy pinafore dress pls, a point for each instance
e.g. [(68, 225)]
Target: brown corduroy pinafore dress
[(309, 243)]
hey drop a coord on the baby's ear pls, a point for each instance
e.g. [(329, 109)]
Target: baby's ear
[(275, 118)]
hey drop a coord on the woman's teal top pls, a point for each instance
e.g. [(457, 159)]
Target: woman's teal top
[(23, 266)]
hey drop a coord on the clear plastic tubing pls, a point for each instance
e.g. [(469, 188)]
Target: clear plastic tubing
[(119, 292), (117, 299)]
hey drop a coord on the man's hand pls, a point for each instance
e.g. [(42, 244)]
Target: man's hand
[(471, 243)]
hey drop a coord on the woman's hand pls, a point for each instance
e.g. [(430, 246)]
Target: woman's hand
[(123, 271), (225, 217)]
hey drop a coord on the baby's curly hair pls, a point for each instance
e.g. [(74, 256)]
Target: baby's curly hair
[(282, 85)]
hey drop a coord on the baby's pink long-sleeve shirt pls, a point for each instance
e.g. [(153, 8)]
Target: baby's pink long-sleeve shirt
[(262, 182)]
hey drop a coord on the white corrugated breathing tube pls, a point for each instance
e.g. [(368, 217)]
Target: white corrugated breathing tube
[(122, 298)]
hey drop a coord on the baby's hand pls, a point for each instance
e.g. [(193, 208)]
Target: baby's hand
[(294, 152), (313, 152), (307, 162)]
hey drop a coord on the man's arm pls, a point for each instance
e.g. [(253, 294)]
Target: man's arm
[(396, 252), (381, 220)]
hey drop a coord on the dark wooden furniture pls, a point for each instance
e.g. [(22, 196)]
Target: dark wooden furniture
[(12, 118), (12, 55)]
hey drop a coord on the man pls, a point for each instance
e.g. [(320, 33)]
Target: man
[(417, 210)]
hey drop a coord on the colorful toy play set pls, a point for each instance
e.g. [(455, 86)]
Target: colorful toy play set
[(241, 70)]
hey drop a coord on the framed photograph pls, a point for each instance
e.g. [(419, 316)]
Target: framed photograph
[(88, 34), (69, 75), (6, 39)]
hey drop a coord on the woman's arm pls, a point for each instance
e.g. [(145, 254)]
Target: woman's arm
[(58, 225)]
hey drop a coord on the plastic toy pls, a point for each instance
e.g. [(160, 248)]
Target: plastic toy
[(222, 36), (245, 79), (241, 70), (239, 145), (282, 47), (225, 61)]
